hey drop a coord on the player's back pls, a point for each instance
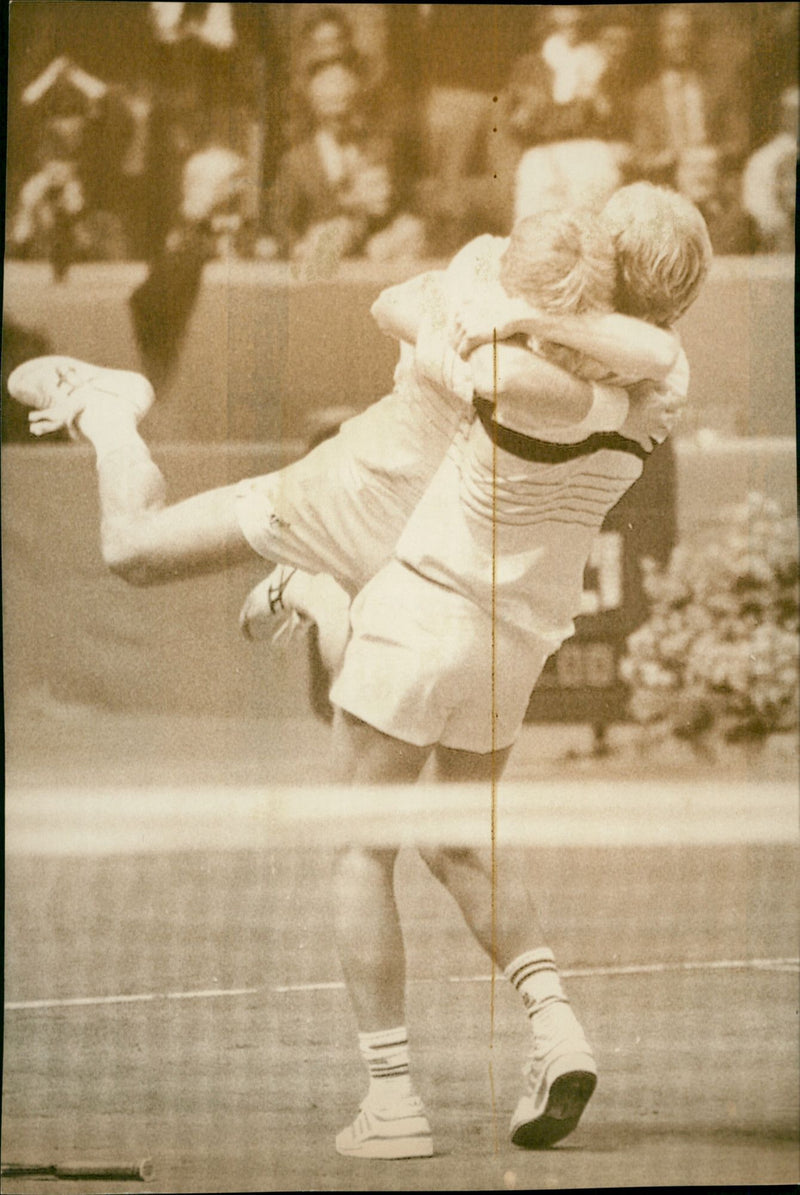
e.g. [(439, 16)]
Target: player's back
[(512, 532)]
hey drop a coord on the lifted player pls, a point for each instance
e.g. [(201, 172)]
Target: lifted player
[(340, 508)]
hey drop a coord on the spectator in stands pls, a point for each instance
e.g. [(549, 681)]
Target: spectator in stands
[(769, 182), (451, 61), (617, 39), (681, 109), (208, 224), (325, 36), (702, 177), (772, 37), (207, 66), (65, 210), (558, 108), (342, 191)]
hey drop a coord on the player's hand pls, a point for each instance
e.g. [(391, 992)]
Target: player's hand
[(654, 411), (494, 314), (256, 617)]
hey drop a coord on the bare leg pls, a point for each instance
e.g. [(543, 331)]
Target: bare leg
[(494, 900), (142, 538), (560, 1073), (368, 934), (391, 1122), (365, 755)]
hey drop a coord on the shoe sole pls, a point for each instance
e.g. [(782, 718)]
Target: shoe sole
[(19, 385), (391, 1150), (568, 1097), (19, 380)]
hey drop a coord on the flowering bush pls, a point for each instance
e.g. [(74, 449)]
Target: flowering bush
[(720, 648)]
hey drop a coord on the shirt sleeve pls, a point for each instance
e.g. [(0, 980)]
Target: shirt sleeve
[(476, 265)]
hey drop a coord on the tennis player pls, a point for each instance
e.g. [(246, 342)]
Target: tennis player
[(339, 509), (448, 642), (145, 540)]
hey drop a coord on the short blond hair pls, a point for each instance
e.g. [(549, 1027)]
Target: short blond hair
[(662, 248), (561, 262)]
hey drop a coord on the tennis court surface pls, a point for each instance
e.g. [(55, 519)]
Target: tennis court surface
[(173, 992)]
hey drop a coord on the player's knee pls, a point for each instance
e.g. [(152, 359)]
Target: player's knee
[(124, 557), (442, 860)]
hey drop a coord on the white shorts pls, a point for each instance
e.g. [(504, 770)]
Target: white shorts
[(341, 508), (420, 662)]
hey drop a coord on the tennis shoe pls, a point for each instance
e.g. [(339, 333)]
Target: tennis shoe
[(400, 1131), (269, 609), (560, 1077), (59, 388)]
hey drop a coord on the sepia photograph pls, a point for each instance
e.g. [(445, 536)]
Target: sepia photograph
[(351, 353)]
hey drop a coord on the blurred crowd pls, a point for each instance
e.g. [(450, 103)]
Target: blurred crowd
[(315, 132)]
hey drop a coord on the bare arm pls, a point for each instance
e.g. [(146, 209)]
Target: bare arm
[(526, 389), (628, 347), (631, 348), (656, 408), (529, 393)]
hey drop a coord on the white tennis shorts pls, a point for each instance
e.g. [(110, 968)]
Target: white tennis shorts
[(341, 508), (423, 666)]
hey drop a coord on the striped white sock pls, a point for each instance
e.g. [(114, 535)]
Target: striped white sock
[(535, 976), (385, 1053)]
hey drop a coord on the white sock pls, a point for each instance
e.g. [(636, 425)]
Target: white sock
[(385, 1053), (535, 976)]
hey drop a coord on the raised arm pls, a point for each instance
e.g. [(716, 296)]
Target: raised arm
[(628, 347), (631, 348), (533, 395)]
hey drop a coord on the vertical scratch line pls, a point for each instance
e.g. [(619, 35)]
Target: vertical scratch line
[(494, 749)]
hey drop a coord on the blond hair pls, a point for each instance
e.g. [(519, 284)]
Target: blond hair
[(662, 248), (561, 262)]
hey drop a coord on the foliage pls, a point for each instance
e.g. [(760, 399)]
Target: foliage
[(719, 650)]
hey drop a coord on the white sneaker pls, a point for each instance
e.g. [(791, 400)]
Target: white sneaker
[(268, 611), (58, 389), (560, 1077), (401, 1131)]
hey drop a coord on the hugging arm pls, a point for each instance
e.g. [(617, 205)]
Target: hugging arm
[(628, 347), (529, 392), (656, 407)]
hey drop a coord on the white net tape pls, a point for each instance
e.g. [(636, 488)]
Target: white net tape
[(129, 820)]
